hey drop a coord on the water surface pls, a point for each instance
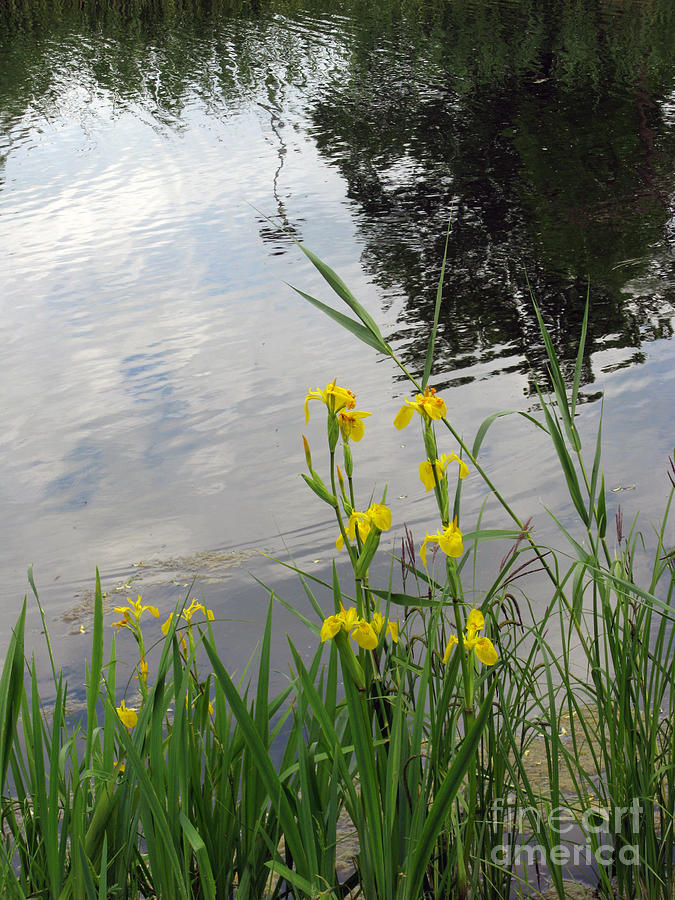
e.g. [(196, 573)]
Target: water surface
[(154, 359)]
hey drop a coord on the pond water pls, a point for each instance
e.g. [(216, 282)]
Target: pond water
[(154, 358)]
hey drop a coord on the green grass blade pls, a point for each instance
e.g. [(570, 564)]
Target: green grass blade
[(93, 684), (262, 698), (369, 781), (597, 459), (11, 691), (296, 881), (580, 354), (566, 463), (399, 599), (109, 711), (266, 771), (602, 510), (103, 877), (486, 423), (584, 556), (157, 831), (31, 581), (421, 852), (558, 382)]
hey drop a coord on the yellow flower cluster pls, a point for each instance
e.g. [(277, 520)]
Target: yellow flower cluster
[(481, 646), (366, 634), (376, 516)]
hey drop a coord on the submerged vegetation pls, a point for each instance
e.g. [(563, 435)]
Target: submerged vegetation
[(411, 726)]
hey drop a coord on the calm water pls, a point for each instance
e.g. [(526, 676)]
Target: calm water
[(154, 360)]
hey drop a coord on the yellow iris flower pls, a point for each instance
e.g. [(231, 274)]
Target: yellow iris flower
[(351, 426), (475, 622), (188, 613), (128, 716), (376, 516), (357, 521), (380, 516), (334, 396), (134, 611), (428, 405), (427, 470), (379, 622), (449, 540), (350, 617), (331, 626), (481, 646)]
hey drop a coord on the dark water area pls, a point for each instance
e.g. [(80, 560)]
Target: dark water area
[(154, 360)]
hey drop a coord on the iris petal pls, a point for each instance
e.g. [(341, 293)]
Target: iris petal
[(475, 622), (448, 650), (403, 416), (330, 627), (427, 475), (485, 651), (365, 636), (380, 516)]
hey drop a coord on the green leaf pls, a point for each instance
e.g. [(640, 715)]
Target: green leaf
[(343, 292), (437, 309), (602, 510), (566, 463), (583, 555), (580, 354), (204, 865), (31, 581), (558, 382), (372, 845), (262, 694), (358, 330), (295, 880), (94, 681), (103, 878), (622, 583), (320, 489), (486, 423), (404, 599), (156, 827), (491, 534), (596, 460)]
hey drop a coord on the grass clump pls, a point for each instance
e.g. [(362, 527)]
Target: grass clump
[(412, 724)]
